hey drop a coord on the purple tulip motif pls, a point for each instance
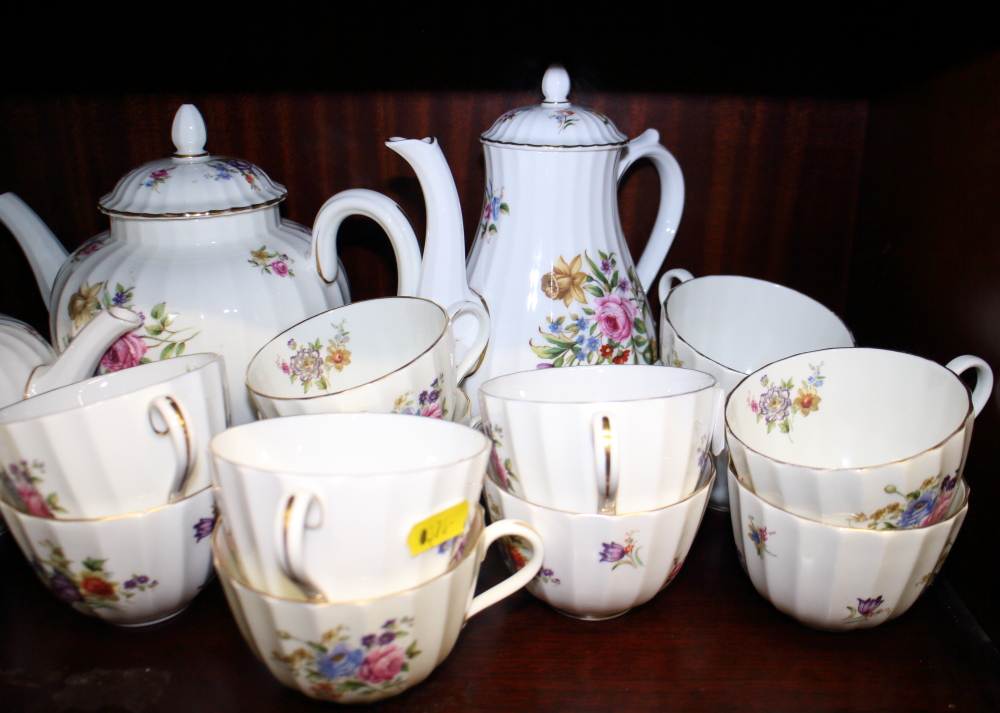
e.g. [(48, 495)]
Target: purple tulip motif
[(866, 610), (622, 554)]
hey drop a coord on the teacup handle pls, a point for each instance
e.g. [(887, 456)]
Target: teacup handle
[(300, 510), (182, 438), (667, 281), (984, 378), (606, 460), (471, 357), (385, 212), (501, 591)]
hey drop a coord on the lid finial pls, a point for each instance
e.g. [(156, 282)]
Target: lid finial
[(189, 132), (555, 85)]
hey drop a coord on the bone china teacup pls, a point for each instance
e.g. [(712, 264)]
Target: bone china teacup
[(601, 439), (347, 506), (114, 444), (390, 355), (364, 651), (863, 438)]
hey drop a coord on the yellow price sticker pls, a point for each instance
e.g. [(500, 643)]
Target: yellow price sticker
[(438, 528)]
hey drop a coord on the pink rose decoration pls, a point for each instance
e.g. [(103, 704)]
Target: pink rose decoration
[(162, 173), (616, 315), (498, 467), (34, 501), (940, 508), (124, 354), (280, 268), (432, 410), (382, 665)]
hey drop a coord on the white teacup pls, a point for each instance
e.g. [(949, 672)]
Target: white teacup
[(390, 355), (364, 651), (347, 506), (130, 570), (601, 439), (119, 443), (725, 325), (837, 578), (864, 438), (600, 566)]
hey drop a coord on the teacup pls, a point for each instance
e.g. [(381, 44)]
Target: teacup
[(859, 437), (119, 443), (600, 566), (725, 325), (347, 506), (390, 355), (831, 577), (129, 570), (602, 439), (363, 651)]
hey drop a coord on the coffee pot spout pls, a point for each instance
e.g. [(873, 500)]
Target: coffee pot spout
[(44, 251)]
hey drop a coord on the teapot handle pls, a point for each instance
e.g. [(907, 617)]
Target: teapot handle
[(647, 145), (385, 212)]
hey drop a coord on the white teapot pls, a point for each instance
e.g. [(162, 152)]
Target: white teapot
[(198, 250)]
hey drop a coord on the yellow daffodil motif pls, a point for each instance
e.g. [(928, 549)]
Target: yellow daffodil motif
[(84, 303), (807, 401), (565, 282)]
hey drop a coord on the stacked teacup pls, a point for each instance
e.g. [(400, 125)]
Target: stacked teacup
[(847, 491), (105, 486), (612, 466)]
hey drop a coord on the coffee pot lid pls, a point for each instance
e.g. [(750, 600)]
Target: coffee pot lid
[(191, 183), (555, 123)]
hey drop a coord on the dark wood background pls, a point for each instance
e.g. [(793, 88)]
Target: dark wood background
[(859, 164)]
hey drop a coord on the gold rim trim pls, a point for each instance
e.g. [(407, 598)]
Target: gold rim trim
[(191, 155), (477, 528), (106, 518), (619, 144), (969, 413), (203, 214), (482, 356)]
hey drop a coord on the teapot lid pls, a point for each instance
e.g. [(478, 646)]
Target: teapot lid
[(191, 183), (555, 123)]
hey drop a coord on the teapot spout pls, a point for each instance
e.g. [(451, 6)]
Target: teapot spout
[(44, 251), (442, 276), (84, 353)]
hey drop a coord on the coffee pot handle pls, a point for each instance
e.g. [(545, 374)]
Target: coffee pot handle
[(385, 212), (647, 145), (984, 378), (520, 578), (167, 418)]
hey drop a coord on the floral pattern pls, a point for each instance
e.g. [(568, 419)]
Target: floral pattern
[(429, 403), (227, 169), (674, 570), (866, 609), (564, 118), (613, 332), (156, 178), (777, 407), (89, 248), (622, 554), (510, 115), (19, 485), (676, 361), (309, 365), (132, 348), (91, 586), (335, 666), (925, 506), (928, 578), (206, 525), (501, 466), (516, 552), (759, 537), (493, 208), (271, 263)]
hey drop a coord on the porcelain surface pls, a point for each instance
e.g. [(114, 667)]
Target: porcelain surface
[(114, 444), (391, 355), (836, 578), (801, 436), (600, 566), (290, 508), (132, 570), (364, 651), (22, 349), (549, 257), (601, 438), (717, 324)]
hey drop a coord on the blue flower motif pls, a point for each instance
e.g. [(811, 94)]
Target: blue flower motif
[(581, 339), (581, 355), (593, 344), (581, 323), (340, 662), (555, 327), (916, 511)]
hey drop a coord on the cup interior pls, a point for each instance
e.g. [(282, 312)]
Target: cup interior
[(348, 444), (743, 323), (586, 384), (867, 407), (105, 387), (346, 347)]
